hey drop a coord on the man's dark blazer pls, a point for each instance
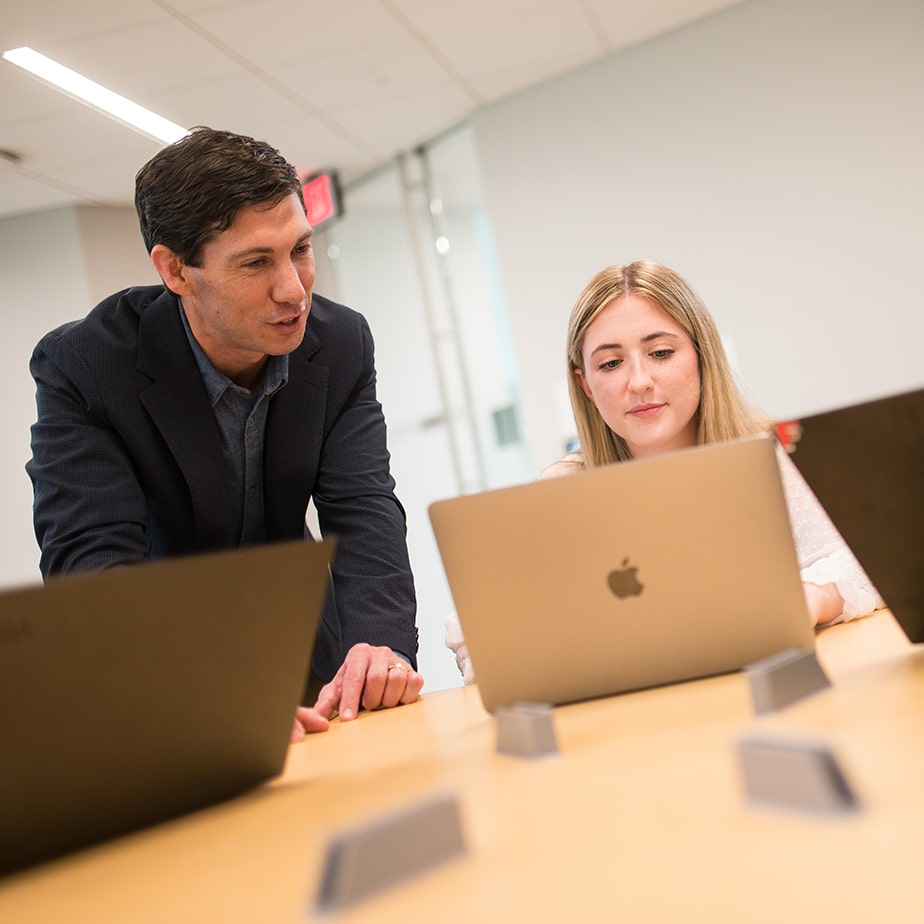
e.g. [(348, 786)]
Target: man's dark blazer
[(127, 461)]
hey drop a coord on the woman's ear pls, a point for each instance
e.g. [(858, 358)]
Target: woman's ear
[(171, 269), (584, 386)]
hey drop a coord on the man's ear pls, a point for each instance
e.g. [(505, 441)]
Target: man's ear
[(584, 386), (171, 269)]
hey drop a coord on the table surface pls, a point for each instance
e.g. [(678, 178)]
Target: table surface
[(640, 816)]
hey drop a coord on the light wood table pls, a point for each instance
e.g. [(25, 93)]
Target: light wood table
[(640, 817)]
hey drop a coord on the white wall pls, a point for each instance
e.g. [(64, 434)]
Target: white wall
[(55, 266), (43, 281), (773, 154), (113, 252)]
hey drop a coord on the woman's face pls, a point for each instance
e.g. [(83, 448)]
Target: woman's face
[(641, 372)]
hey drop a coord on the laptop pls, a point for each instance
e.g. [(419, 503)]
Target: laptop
[(132, 695), (865, 463), (625, 576)]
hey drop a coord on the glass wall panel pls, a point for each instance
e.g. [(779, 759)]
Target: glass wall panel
[(413, 253)]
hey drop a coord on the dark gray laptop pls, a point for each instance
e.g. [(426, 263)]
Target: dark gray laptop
[(132, 695), (865, 463)]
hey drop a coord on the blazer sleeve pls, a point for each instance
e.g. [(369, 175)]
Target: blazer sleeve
[(356, 502), (89, 509)]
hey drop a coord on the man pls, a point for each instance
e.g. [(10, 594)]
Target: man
[(205, 413)]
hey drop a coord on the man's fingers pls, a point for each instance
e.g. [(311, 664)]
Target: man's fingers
[(309, 720), (329, 698), (355, 679), (399, 676), (374, 677), (376, 685), (412, 688)]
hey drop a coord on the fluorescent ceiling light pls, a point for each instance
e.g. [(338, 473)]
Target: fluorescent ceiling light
[(92, 94)]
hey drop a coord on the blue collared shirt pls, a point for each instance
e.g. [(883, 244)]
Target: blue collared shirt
[(241, 419)]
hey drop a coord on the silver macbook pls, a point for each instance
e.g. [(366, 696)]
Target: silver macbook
[(865, 463), (132, 695), (626, 576)]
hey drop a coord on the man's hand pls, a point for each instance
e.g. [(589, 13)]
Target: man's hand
[(306, 721), (371, 677)]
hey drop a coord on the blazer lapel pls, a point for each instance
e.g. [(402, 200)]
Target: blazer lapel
[(294, 433), (177, 403)]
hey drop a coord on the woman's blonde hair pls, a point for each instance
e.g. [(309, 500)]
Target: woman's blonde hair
[(723, 412)]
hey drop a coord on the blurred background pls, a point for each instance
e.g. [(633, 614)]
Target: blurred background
[(490, 158)]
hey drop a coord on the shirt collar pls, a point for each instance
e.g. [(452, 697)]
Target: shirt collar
[(217, 383)]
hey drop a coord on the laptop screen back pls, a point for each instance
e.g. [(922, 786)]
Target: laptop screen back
[(131, 695)]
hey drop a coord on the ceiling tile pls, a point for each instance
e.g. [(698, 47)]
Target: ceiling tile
[(343, 85), (627, 23), (270, 33), (56, 23)]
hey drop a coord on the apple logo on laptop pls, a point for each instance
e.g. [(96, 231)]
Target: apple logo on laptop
[(624, 581)]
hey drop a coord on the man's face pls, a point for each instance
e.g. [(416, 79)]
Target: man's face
[(250, 295)]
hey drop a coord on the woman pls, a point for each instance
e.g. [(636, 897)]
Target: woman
[(648, 374)]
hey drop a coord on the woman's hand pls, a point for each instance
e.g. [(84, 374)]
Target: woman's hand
[(825, 602)]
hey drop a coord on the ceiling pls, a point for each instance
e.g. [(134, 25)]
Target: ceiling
[(341, 84)]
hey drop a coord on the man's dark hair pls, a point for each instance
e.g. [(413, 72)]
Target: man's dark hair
[(193, 189)]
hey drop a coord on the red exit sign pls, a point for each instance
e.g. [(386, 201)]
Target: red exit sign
[(322, 198)]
